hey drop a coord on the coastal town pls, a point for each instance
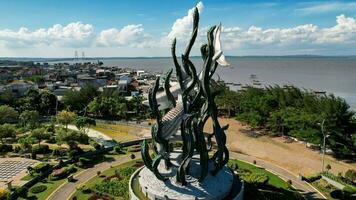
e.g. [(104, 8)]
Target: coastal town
[(19, 77)]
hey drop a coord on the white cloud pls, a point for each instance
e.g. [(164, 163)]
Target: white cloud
[(130, 35), (182, 27), (306, 36), (133, 40), (74, 34)]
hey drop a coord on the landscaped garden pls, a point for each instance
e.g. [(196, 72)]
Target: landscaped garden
[(262, 184), (348, 180), (114, 182), (110, 184)]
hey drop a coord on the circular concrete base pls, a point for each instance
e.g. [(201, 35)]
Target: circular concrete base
[(213, 187)]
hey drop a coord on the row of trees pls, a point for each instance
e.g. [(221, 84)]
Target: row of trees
[(87, 101), (106, 105), (36, 133), (44, 102), (295, 112)]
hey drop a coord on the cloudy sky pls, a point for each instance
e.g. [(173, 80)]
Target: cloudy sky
[(41, 28)]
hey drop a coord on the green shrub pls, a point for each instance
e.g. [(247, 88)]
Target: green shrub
[(350, 175), (118, 149), (96, 145), (17, 149), (349, 189), (75, 152), (51, 140), (4, 148), (312, 178), (62, 172), (233, 165), (256, 178), (38, 189), (42, 167), (40, 149), (22, 192), (84, 161), (134, 149)]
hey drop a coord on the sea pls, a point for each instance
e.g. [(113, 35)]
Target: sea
[(336, 75)]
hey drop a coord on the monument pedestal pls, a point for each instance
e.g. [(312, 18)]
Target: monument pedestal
[(217, 187)]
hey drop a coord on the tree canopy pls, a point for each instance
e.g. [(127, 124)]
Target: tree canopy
[(7, 114), (295, 112)]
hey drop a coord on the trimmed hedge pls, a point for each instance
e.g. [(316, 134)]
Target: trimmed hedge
[(40, 149), (312, 178), (42, 167), (62, 173), (38, 189), (4, 148), (96, 145), (22, 192)]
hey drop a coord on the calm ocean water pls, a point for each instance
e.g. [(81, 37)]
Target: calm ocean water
[(335, 75)]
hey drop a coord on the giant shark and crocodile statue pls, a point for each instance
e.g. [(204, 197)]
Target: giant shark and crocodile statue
[(186, 107)]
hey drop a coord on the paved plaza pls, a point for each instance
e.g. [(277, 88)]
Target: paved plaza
[(10, 168)]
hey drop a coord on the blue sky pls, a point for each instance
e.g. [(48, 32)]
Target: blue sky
[(42, 28)]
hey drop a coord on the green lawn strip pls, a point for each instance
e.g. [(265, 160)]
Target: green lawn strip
[(27, 177), (51, 186), (95, 180)]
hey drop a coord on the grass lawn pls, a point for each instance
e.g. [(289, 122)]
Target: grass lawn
[(272, 179), (120, 133), (51, 186), (274, 188)]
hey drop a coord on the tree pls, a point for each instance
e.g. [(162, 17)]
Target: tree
[(351, 175), (26, 143), (71, 138), (7, 114), (39, 134), (29, 118), (65, 118), (108, 107), (8, 98), (48, 103), (77, 101), (328, 167), (31, 101), (83, 123), (7, 131)]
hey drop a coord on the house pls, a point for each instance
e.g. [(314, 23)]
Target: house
[(6, 75), (84, 79), (20, 87)]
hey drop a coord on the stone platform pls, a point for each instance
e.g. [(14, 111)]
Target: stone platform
[(213, 187)]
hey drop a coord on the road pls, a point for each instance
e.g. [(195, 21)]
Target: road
[(68, 188)]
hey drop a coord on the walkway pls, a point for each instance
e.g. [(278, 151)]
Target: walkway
[(68, 188), (304, 188)]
